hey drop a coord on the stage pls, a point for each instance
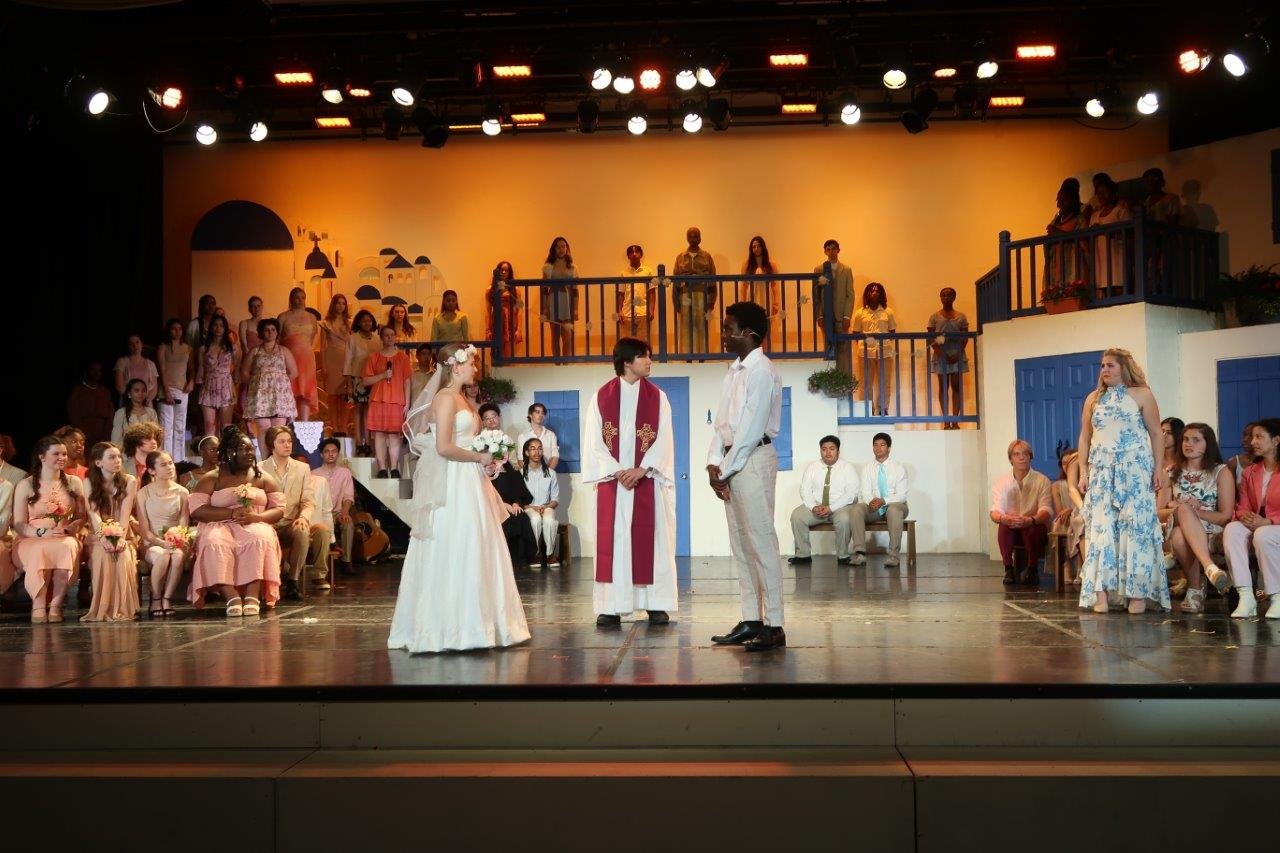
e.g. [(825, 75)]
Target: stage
[(947, 625)]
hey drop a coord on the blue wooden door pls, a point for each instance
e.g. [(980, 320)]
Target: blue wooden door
[(563, 420), (1050, 396), (1248, 389), (677, 390)]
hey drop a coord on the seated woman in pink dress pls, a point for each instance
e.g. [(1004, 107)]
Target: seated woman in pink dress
[(113, 561), (48, 510), (236, 506)]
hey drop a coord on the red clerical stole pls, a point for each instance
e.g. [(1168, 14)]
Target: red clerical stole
[(643, 526)]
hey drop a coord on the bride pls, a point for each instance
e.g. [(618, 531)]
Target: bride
[(457, 588)]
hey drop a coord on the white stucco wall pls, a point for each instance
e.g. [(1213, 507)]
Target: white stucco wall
[(1198, 363)]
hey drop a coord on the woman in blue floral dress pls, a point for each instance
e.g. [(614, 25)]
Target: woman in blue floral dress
[(1119, 429)]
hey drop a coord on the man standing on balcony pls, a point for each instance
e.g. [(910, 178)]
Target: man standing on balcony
[(883, 498), (841, 298), (742, 468), (629, 456), (693, 301), (634, 300)]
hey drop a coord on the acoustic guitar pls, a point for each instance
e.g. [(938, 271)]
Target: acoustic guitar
[(371, 541)]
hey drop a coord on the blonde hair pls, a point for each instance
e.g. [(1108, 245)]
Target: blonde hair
[(1130, 373), (443, 361), (1015, 444)]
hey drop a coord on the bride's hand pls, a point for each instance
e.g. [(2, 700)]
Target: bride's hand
[(491, 470)]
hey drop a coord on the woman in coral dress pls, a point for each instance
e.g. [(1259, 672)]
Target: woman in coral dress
[(509, 299), (335, 331), (298, 333), (269, 369), (113, 562), (237, 549), (387, 375), (48, 510), (363, 343)]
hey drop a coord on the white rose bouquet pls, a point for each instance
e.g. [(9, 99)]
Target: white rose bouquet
[(495, 442)]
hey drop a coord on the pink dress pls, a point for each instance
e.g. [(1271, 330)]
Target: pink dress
[(54, 551), (115, 580), (235, 554), (270, 395), (297, 337), (218, 389)]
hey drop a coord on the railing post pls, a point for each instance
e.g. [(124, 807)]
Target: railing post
[(1006, 297), (495, 305), (660, 353), (829, 310), (1139, 258)]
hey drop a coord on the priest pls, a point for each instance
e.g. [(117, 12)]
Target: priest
[(629, 456)]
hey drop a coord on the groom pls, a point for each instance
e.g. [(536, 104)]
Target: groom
[(629, 456)]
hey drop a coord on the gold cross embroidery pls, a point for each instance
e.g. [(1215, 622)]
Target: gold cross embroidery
[(646, 436), (609, 431)]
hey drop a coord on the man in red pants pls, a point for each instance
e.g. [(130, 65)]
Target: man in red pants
[(1021, 509)]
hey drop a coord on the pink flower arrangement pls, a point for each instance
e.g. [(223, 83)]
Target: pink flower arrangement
[(57, 510), (1054, 291), (112, 531), (178, 536), (244, 496)]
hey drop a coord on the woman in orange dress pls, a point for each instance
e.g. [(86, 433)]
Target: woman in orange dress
[(387, 376), (48, 510), (113, 562), (298, 333), (512, 333), (335, 331)]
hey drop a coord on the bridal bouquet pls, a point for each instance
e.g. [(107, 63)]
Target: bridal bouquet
[(178, 536), (495, 442)]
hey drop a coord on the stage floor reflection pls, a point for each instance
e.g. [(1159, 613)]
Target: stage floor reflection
[(949, 621)]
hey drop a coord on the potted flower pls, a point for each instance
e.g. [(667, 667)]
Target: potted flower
[(1059, 297), (1249, 297), (833, 382), (497, 389)]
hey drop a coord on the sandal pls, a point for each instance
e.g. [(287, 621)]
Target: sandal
[(157, 612), (55, 614), (168, 610), (251, 609), (38, 616), (234, 607)]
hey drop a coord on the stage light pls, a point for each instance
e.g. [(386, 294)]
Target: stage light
[(788, 60), (169, 97), (1006, 100), (964, 101), (637, 119), (491, 118), (528, 119), (850, 112), (719, 113), (359, 92), (402, 96), (258, 131), (206, 135), (601, 78), (624, 84), (434, 131), (894, 78), (588, 116), (1037, 51), (946, 72), (692, 121), (686, 79), (332, 94), (1148, 103), (1235, 64), (98, 102), (987, 69), (392, 123), (799, 108), (650, 79), (1240, 58), (491, 127), (1193, 61), (506, 71), (330, 122), (294, 78), (1095, 107), (916, 118), (707, 76)]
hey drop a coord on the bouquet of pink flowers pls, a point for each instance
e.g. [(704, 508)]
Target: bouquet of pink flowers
[(243, 495), (112, 531), (57, 510), (178, 536)]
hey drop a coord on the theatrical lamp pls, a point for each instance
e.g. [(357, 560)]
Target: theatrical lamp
[(1240, 58), (686, 79), (98, 102), (205, 134), (650, 79), (850, 112), (491, 119), (588, 116), (1193, 60), (894, 77), (916, 118), (1095, 107), (435, 133), (637, 120), (987, 68), (258, 131), (331, 94), (601, 78), (392, 123), (1148, 103), (624, 83), (707, 75), (169, 97), (719, 114), (692, 122), (402, 96)]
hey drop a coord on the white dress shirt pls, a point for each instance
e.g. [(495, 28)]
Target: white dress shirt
[(550, 447), (897, 478), (544, 486), (844, 487), (750, 408)]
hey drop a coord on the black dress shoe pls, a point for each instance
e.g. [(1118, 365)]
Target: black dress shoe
[(395, 473), (608, 620), (291, 592), (347, 569), (769, 638), (658, 617), (1030, 577), (381, 475), (845, 561), (741, 632), (795, 561), (1009, 577)]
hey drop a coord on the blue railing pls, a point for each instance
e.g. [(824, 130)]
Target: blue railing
[(902, 380)]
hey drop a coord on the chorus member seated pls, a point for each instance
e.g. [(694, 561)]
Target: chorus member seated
[(48, 512), (113, 561), (1203, 499), (398, 319), (841, 299), (68, 435), (511, 303), (882, 496), (216, 369), (537, 417), (544, 491), (877, 358), (1257, 524), (298, 330), (1171, 439), (694, 301), (135, 410), (342, 493), (269, 371), (207, 449), (162, 505), (306, 541), (386, 375), (560, 301), (1109, 252), (948, 357), (199, 325), (8, 451), (89, 405), (516, 526), (177, 379), (633, 315), (364, 343), (1240, 463), (135, 365), (140, 439), (1021, 508), (7, 570), (450, 324), (237, 551), (335, 335), (828, 494), (1068, 515), (323, 520)]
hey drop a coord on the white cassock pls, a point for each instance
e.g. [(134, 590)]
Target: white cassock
[(622, 596)]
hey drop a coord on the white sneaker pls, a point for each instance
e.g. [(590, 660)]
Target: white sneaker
[(1273, 609), (1221, 580), (321, 582), (1248, 604), (553, 564), (892, 560), (1194, 601)]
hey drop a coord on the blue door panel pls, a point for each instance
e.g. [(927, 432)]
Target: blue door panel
[(677, 390)]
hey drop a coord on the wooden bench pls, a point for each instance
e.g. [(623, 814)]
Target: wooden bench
[(908, 529)]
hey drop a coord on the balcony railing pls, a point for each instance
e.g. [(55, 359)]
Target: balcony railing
[(1134, 261), (902, 377)]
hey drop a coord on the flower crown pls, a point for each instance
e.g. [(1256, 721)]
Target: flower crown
[(463, 354)]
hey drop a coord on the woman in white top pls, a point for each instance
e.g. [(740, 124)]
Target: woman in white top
[(135, 409), (162, 504), (362, 344), (545, 488), (550, 446), (135, 365), (766, 294), (1109, 271), (877, 358), (177, 372)]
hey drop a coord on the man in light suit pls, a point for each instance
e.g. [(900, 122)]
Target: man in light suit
[(306, 541), (842, 300)]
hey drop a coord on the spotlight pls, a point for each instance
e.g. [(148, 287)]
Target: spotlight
[(588, 116), (791, 108), (708, 74), (169, 97), (206, 135), (392, 123), (624, 84), (1240, 58), (719, 113), (402, 96), (491, 126), (98, 102), (894, 77), (692, 121), (491, 118), (333, 122), (601, 78), (916, 118), (1106, 98), (294, 78), (505, 71), (1006, 100), (945, 72), (1193, 60), (332, 94), (850, 112), (987, 69), (1148, 103), (359, 91), (650, 79), (637, 119), (788, 60), (528, 119), (1095, 108), (686, 79), (1037, 51), (258, 131), (435, 133)]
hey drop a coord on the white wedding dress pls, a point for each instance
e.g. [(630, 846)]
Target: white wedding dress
[(457, 587)]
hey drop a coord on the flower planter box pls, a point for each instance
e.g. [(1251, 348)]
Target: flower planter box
[(1062, 306)]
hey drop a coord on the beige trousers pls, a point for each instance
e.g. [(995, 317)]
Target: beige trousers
[(752, 538)]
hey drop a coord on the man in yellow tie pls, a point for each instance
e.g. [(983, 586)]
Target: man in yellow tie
[(828, 491)]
